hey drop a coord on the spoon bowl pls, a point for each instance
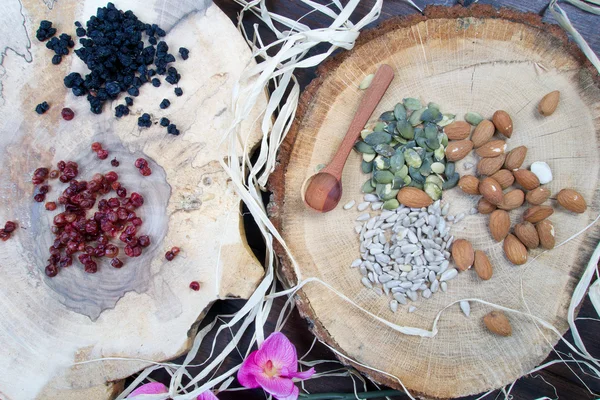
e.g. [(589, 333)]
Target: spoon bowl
[(323, 192)]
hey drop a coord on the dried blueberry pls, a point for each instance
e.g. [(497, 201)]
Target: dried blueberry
[(56, 59), (164, 122), (129, 101), (185, 53), (178, 91), (121, 110), (155, 82), (172, 129), (165, 104), (42, 107), (144, 121), (133, 91)]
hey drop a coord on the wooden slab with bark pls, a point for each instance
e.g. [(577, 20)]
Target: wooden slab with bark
[(144, 312), (476, 59)]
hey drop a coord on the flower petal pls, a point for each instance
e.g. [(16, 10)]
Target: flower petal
[(208, 395), (248, 371), (280, 351), (277, 386), (292, 396), (149, 388), (302, 375)]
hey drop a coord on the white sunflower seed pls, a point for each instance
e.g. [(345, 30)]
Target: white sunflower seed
[(449, 274), (371, 198), (465, 307), (356, 263), (394, 305), (444, 286), (426, 293), (376, 206), (365, 281), (363, 217), (349, 205), (362, 206), (378, 290), (411, 309)]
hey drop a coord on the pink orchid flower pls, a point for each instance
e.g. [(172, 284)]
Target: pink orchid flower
[(274, 366), (158, 388)]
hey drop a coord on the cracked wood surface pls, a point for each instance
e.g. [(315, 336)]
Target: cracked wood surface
[(146, 310)]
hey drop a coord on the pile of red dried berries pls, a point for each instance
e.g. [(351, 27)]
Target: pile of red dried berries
[(170, 255), (9, 227), (142, 165), (76, 233), (100, 152)]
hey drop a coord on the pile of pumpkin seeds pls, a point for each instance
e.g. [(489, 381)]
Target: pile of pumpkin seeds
[(406, 147)]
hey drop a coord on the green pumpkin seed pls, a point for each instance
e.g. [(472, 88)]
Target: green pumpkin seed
[(412, 158), (431, 131), (362, 147), (411, 103), (443, 139), (381, 163), (369, 157), (391, 194), (367, 188), (391, 128), (409, 145), (397, 183), (407, 180), (396, 162), (421, 141), (383, 189), (415, 175), (400, 112), (376, 138), (385, 149), (440, 153), (367, 167), (473, 118), (433, 105), (387, 116), (400, 140), (391, 204), (365, 132), (449, 169), (433, 190), (402, 172), (416, 184), (415, 117), (435, 179), (447, 119), (431, 115), (319, 167), (438, 167), (420, 151), (419, 132), (405, 129), (379, 127), (425, 169), (394, 143), (451, 181), (366, 82), (383, 177), (433, 144)]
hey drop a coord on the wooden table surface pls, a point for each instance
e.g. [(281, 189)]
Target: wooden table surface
[(555, 381)]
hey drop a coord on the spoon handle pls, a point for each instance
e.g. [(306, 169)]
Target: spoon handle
[(369, 102)]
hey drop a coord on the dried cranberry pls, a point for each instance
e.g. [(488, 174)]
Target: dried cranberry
[(70, 217), (50, 206), (102, 154), (136, 221), (87, 204), (105, 189), (98, 177), (137, 251), (100, 251), (141, 163), (36, 180), (144, 241), (63, 179), (84, 258), (61, 165), (145, 171), (112, 216), (103, 205), (91, 226), (131, 230), (114, 162), (115, 185), (175, 250), (195, 286), (122, 213), (67, 114), (169, 256), (4, 236), (41, 173), (65, 261), (96, 146), (128, 251), (39, 197), (111, 251), (44, 189), (116, 263), (113, 202), (111, 176), (91, 267), (54, 174), (54, 259), (63, 199), (136, 199), (9, 226), (89, 250), (72, 165), (102, 240), (121, 192), (54, 229), (106, 226), (51, 270)]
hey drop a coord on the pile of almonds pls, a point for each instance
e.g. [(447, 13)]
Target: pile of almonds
[(498, 170)]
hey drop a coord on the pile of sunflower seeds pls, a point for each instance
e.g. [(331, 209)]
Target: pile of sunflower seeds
[(405, 252), (406, 147)]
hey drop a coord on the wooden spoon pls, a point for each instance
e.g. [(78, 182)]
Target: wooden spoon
[(324, 189)]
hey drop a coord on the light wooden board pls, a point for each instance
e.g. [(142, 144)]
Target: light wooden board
[(145, 310), (464, 60)]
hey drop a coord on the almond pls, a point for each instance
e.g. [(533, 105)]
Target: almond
[(491, 191), (483, 133), (491, 149), (545, 231), (503, 123), (469, 184), (526, 178), (485, 207), (571, 200), (458, 149), (549, 103), (527, 234), (482, 265), (537, 213), (513, 199), (463, 254), (496, 322), (538, 195), (413, 197), (499, 224), (458, 130), (504, 177), (515, 251), (491, 165), (515, 158)]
